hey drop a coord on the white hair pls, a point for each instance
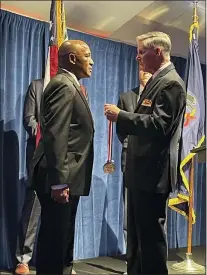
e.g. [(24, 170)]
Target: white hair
[(156, 39)]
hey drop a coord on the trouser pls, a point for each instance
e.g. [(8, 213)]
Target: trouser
[(56, 235), (29, 216), (125, 209), (28, 227), (146, 238)]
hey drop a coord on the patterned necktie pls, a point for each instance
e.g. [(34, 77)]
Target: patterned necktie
[(83, 90)]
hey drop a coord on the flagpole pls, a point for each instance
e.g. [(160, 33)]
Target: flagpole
[(188, 265), (195, 16), (190, 215)]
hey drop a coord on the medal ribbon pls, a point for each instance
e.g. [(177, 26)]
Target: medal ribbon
[(110, 137)]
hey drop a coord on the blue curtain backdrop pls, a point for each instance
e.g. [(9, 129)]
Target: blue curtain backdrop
[(22, 58), (100, 216)]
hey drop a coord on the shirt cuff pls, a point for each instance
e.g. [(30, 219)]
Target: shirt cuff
[(59, 186)]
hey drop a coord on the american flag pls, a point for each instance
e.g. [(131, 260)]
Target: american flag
[(58, 34)]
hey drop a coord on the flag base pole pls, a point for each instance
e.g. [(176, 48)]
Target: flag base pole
[(188, 266)]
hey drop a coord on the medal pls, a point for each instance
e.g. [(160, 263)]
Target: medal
[(109, 166)]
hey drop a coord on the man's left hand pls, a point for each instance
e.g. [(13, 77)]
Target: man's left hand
[(111, 112), (60, 195)]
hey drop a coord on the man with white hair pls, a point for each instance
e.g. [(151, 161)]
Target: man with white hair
[(154, 131)]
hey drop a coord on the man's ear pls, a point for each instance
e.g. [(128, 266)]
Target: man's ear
[(158, 51), (72, 58)]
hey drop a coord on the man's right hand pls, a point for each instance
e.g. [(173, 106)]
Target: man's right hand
[(33, 124), (60, 195)]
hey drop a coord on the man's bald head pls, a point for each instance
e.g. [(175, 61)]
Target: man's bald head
[(75, 56), (71, 46)]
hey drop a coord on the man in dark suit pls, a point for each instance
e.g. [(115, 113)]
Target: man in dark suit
[(31, 208), (154, 131), (61, 169), (128, 102)]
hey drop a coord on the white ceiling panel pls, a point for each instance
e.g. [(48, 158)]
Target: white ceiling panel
[(105, 16), (102, 15), (162, 11), (124, 20), (139, 25), (177, 14)]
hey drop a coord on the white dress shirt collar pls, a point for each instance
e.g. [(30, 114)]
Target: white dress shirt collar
[(73, 76), (160, 69)]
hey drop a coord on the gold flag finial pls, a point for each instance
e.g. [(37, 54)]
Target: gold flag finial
[(195, 16), (195, 21)]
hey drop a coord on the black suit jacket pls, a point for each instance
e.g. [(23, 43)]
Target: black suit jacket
[(127, 102), (65, 151), (31, 112), (31, 115), (155, 130)]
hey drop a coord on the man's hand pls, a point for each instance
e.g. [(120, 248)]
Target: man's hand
[(111, 112), (34, 130), (60, 195)]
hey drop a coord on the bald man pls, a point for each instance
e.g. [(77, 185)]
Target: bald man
[(62, 165)]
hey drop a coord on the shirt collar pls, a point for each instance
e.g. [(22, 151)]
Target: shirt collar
[(73, 76), (160, 69)]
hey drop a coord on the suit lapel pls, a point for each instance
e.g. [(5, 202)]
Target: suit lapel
[(78, 88), (152, 83)]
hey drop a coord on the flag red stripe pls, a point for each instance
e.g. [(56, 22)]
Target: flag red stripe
[(53, 60)]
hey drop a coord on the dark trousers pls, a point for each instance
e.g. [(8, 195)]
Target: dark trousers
[(146, 238), (29, 217), (125, 208), (56, 235), (28, 227)]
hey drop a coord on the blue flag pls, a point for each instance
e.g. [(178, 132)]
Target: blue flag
[(193, 127)]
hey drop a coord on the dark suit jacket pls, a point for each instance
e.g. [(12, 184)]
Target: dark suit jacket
[(31, 115), (31, 112), (65, 151), (127, 102), (155, 130)]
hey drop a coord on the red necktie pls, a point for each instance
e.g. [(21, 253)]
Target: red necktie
[(83, 90)]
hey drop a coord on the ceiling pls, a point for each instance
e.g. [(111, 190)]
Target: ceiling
[(124, 20)]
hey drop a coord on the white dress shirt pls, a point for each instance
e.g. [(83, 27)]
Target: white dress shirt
[(160, 69), (61, 186), (71, 74)]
